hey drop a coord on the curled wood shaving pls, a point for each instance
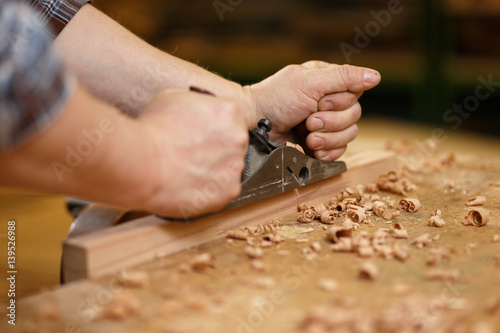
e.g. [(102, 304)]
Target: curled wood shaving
[(356, 215), (307, 216), (133, 279), (381, 210), (477, 218), (368, 271), (476, 201), (328, 216), (495, 238), (399, 231), (303, 207), (344, 244), (410, 205), (335, 233), (436, 221), (319, 209)]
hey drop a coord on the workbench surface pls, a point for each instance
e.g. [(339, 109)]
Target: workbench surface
[(300, 290)]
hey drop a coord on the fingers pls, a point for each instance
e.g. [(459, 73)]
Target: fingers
[(339, 101), (340, 78), (322, 143), (333, 121)]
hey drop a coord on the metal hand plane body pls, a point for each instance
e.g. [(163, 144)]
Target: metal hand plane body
[(272, 168)]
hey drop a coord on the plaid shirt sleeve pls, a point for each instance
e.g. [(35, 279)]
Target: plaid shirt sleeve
[(33, 84), (55, 14)]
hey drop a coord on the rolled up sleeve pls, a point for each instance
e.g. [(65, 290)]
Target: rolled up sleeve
[(55, 14), (34, 87)]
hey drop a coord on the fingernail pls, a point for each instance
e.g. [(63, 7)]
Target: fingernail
[(317, 143), (326, 106), (317, 124), (321, 155), (371, 76)]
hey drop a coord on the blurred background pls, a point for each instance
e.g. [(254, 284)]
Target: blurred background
[(431, 54)]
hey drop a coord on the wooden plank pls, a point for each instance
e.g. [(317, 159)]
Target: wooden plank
[(144, 239)]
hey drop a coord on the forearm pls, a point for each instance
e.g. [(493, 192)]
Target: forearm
[(90, 150), (119, 67)]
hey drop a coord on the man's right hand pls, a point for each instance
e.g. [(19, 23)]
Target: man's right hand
[(200, 144)]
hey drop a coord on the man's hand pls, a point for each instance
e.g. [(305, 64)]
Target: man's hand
[(311, 92), (200, 144)]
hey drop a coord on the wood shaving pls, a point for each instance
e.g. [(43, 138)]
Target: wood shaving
[(307, 216), (328, 285), (294, 145), (258, 265), (133, 279), (399, 231), (378, 239), (495, 238), (477, 218), (202, 262), (239, 234), (343, 244), (436, 255), (254, 252), (442, 274), (315, 246), (381, 210), (368, 271), (123, 306), (436, 221), (302, 240), (335, 233), (476, 201), (356, 215), (401, 252), (303, 207), (409, 205), (319, 209), (423, 240), (328, 216)]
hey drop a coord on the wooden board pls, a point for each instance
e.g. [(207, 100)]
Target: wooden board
[(145, 239), (234, 297)]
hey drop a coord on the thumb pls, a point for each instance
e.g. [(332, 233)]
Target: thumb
[(341, 78)]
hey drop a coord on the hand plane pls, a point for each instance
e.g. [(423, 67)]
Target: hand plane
[(272, 168)]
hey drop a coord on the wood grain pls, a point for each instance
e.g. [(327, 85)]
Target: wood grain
[(143, 240)]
